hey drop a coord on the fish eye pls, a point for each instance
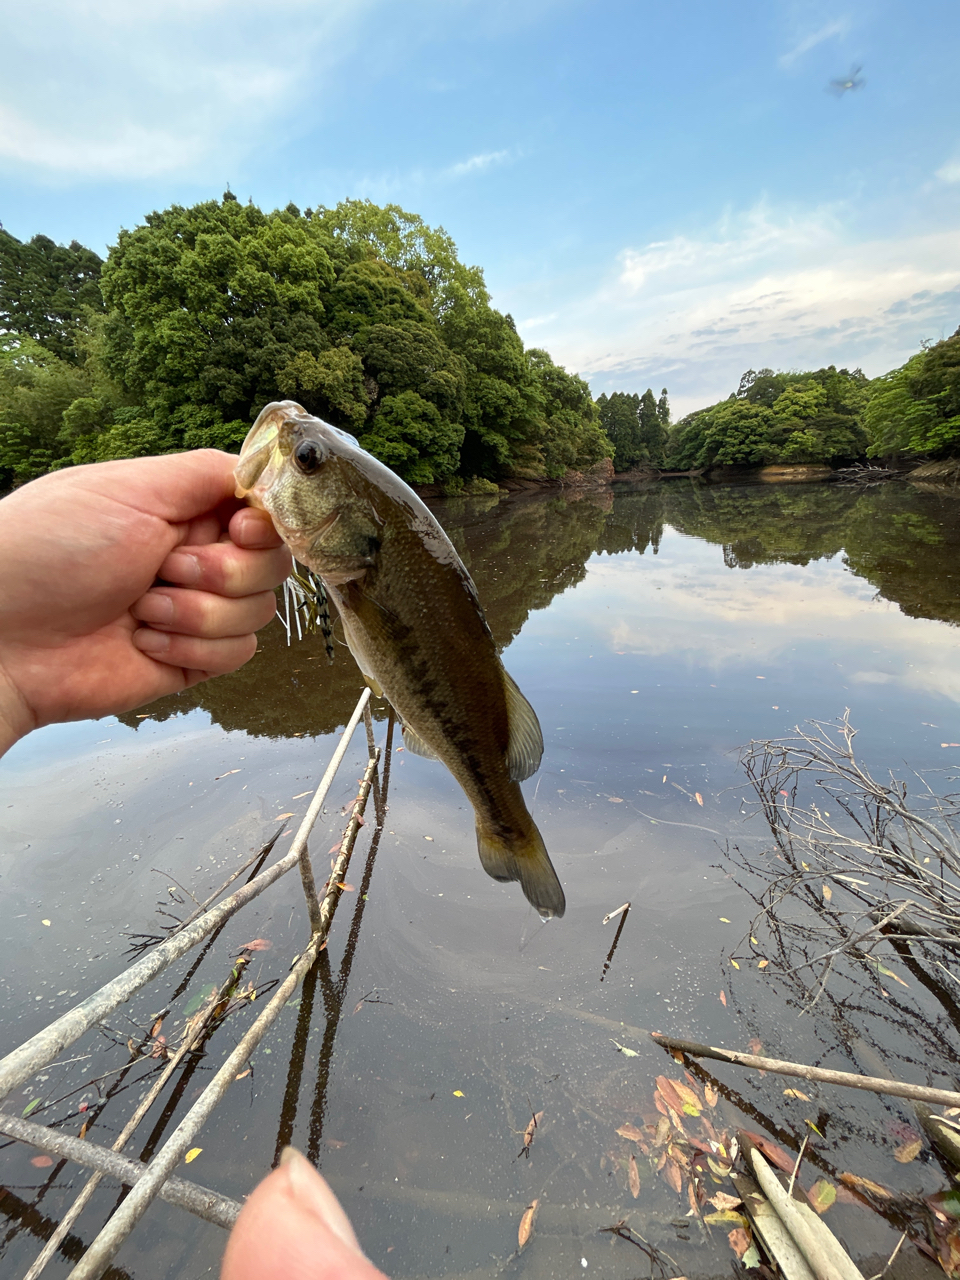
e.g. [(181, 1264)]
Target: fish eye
[(308, 457)]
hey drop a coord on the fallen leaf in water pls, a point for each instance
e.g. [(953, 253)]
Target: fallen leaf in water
[(347, 888), (46, 922), (630, 1131), (633, 1177), (949, 1253), (131, 1046), (724, 1215), (41, 1162), (282, 816), (30, 1108), (722, 1201), (155, 1029), (711, 1095), (615, 799), (258, 944), (909, 1151), (83, 1130), (82, 1107), (763, 964), (685, 1098), (458, 1093), (811, 1125), (854, 1180), (225, 775), (428, 838), (699, 798), (723, 998), (822, 1195), (194, 1151), (531, 1128), (243, 1073), (671, 1171), (526, 1223), (776, 1155), (755, 1046), (795, 1093), (629, 1053), (734, 963), (827, 892), (159, 1047), (724, 920), (739, 1240)]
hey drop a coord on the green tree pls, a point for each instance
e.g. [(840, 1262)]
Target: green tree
[(652, 433), (46, 291), (620, 419), (915, 410)]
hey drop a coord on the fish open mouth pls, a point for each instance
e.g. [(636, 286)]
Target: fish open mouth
[(265, 448)]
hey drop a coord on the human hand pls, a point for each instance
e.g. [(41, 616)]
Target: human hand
[(86, 629), (293, 1228)]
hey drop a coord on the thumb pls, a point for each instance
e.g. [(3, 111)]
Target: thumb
[(293, 1228)]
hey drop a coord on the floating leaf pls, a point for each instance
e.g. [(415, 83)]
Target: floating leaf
[(822, 1195), (347, 888), (723, 920), (811, 1125), (258, 944), (724, 1215), (82, 1107), (755, 1046), (83, 1130), (615, 799), (155, 1029), (752, 1256), (526, 1223), (739, 1241), (734, 963), (630, 1131), (41, 1162), (30, 1108), (908, 1151), (242, 1074), (699, 798), (531, 1128), (629, 1053), (46, 922), (194, 1151), (722, 1201), (711, 1095), (827, 892), (633, 1177), (458, 1093), (754, 941), (723, 998), (776, 1155), (763, 964), (281, 816), (795, 1093), (854, 1180), (679, 1096), (673, 1175)]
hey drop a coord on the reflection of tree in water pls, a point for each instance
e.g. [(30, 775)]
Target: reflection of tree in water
[(526, 549)]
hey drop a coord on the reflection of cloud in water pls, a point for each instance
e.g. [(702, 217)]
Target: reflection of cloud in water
[(702, 611)]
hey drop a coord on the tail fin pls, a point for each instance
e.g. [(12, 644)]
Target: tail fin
[(524, 859)]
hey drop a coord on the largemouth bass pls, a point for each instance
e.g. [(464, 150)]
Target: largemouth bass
[(412, 620)]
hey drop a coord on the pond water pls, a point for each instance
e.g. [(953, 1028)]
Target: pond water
[(655, 631)]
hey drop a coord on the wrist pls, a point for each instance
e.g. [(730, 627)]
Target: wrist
[(15, 718)]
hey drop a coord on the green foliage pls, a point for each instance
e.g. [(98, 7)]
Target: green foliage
[(915, 410), (36, 388), (776, 418), (47, 290), (410, 435)]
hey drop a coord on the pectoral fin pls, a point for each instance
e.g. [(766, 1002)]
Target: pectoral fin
[(526, 741), (416, 744)]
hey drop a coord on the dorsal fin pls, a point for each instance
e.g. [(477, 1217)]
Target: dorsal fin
[(526, 740), (416, 744)]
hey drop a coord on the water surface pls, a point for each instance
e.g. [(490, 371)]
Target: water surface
[(655, 631)]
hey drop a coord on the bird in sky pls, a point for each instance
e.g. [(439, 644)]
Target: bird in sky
[(852, 81)]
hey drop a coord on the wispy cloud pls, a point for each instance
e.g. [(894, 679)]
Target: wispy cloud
[(113, 90), (475, 164), (840, 27), (770, 287), (949, 172)]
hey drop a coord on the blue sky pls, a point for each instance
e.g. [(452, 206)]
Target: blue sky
[(659, 193)]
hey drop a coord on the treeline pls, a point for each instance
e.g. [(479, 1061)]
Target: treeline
[(203, 315)]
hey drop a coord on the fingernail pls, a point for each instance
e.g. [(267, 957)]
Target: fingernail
[(151, 642), (313, 1195), (256, 530), (155, 606), (182, 568)]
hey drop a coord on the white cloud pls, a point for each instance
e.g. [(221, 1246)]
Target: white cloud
[(111, 89), (837, 28), (949, 172), (765, 287), (477, 163)]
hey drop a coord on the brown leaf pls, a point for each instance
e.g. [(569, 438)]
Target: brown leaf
[(347, 888), (83, 1130), (723, 997), (679, 1097), (795, 1093), (711, 1095), (739, 1241), (822, 1195), (908, 1151), (41, 1162), (281, 816), (633, 1177), (854, 1180), (776, 1155), (615, 799), (531, 1128), (699, 798), (526, 1223), (630, 1131), (258, 944), (155, 1029), (243, 1073), (159, 1048), (722, 1201), (673, 1175), (950, 1253)]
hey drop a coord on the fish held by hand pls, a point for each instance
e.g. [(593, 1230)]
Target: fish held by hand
[(412, 620)]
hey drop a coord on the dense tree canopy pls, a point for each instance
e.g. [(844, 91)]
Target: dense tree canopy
[(914, 411), (47, 291), (638, 427), (777, 417), (364, 314)]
